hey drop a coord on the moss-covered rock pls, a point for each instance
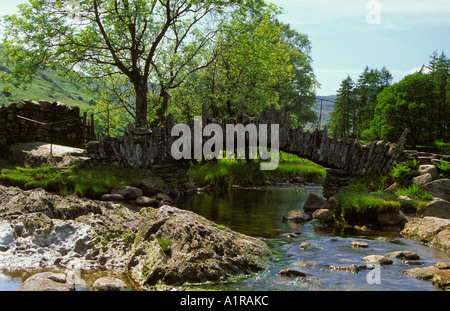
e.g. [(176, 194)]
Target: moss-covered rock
[(154, 246), (199, 250), (438, 274), (430, 230)]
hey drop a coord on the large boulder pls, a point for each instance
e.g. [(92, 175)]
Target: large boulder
[(39, 230), (422, 179), (127, 192), (17, 202), (110, 284), (296, 216), (154, 185), (439, 189), (439, 274), (324, 215), (36, 154), (390, 218), (438, 208), (174, 246), (430, 169), (47, 281), (313, 203), (430, 230)]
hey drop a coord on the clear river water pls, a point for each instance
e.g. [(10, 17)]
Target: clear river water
[(259, 213)]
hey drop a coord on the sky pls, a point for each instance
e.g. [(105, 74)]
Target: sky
[(348, 35)]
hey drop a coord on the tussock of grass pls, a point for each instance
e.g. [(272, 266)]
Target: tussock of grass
[(364, 207), (89, 181), (414, 192), (225, 173)]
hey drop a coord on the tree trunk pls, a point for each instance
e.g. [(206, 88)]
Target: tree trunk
[(141, 90), (163, 110)]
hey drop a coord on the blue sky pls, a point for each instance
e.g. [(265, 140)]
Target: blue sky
[(344, 42)]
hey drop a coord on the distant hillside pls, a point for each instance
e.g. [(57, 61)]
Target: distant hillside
[(327, 107), (47, 86)]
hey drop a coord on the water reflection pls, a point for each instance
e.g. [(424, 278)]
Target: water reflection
[(260, 213), (252, 212)]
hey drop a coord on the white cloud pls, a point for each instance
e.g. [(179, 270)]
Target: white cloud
[(414, 70)]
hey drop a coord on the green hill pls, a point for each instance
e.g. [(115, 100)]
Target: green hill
[(47, 86), (327, 107)]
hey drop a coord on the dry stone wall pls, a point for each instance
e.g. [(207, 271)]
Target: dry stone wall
[(14, 129), (142, 148)]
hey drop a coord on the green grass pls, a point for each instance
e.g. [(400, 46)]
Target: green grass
[(363, 208), (442, 145), (414, 192), (87, 181), (225, 173), (47, 86), (166, 245), (364, 198)]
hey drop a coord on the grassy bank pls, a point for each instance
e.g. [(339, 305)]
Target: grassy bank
[(86, 181), (225, 173), (365, 197)]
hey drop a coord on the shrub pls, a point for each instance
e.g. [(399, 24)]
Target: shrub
[(443, 169), (401, 174)]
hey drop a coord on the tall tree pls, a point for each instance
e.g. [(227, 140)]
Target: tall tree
[(407, 104), (343, 114), (267, 64), (440, 72), (371, 82), (147, 41)]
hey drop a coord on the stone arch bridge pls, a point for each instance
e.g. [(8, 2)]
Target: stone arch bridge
[(344, 158)]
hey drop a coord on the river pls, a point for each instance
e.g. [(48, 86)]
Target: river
[(259, 213)]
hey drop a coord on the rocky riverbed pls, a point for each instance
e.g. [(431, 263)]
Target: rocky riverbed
[(153, 247)]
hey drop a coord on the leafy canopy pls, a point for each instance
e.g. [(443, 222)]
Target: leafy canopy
[(146, 41)]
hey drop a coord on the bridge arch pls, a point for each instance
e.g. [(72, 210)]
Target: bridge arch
[(344, 158)]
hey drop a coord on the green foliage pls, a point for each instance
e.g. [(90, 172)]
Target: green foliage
[(225, 173), (268, 63), (86, 181), (407, 104), (402, 173), (442, 146), (6, 164), (166, 245), (344, 109), (414, 192), (373, 109), (443, 169), (139, 40), (363, 207), (355, 103)]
